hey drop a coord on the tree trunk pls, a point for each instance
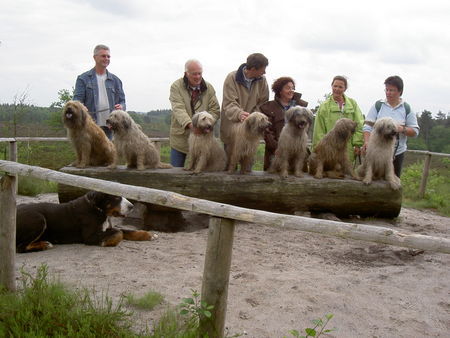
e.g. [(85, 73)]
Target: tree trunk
[(258, 190)]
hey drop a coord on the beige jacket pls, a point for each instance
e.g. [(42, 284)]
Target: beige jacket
[(237, 98), (180, 99)]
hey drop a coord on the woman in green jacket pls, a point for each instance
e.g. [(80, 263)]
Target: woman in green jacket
[(337, 106)]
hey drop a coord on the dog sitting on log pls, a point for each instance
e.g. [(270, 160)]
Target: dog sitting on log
[(206, 154), (245, 137), (291, 151), (330, 158)]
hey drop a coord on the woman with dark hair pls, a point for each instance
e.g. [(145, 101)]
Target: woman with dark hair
[(285, 98), (393, 106), (337, 106)]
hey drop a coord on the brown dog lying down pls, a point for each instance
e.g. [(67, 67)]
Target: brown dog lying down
[(83, 220)]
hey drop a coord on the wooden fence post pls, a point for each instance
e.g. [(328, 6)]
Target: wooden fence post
[(8, 232), (426, 170), (13, 158), (216, 274)]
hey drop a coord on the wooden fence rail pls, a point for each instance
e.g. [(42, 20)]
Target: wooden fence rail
[(219, 247)]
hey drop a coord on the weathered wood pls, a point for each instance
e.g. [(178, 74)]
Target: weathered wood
[(423, 181), (216, 275), (8, 232), (258, 190), (362, 232)]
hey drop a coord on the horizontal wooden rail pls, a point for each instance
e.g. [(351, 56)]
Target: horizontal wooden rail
[(174, 200)]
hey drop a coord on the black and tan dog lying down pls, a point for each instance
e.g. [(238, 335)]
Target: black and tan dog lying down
[(83, 220)]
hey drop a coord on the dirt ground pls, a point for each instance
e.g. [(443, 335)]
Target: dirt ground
[(280, 279)]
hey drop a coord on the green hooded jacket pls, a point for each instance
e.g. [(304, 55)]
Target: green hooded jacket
[(329, 113)]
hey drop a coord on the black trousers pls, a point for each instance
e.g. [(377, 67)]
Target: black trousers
[(398, 163)]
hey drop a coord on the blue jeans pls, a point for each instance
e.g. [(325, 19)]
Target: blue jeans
[(108, 132), (177, 158)]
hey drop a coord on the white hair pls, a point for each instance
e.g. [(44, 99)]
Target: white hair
[(190, 62), (98, 48)]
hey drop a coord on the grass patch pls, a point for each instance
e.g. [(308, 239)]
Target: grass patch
[(45, 308), (146, 302), (30, 186), (437, 194)]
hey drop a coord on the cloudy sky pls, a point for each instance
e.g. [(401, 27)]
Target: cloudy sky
[(46, 44)]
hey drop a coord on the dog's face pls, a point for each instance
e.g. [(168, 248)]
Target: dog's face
[(299, 117), (119, 120), (203, 121), (345, 128), (385, 127), (75, 114), (256, 123), (110, 205)]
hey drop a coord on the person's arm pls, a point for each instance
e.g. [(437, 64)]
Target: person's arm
[(230, 104), (411, 128), (367, 128), (80, 90), (319, 126), (121, 104), (179, 111), (213, 104), (358, 138)]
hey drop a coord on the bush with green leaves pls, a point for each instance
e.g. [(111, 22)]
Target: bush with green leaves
[(317, 330)]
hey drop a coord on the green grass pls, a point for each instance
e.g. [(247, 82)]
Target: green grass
[(45, 308), (146, 302)]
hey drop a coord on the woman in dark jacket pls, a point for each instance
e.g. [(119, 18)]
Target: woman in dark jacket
[(285, 98)]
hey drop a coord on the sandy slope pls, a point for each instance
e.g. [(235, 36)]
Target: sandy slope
[(280, 279)]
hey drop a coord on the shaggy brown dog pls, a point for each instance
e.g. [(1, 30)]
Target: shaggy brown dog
[(90, 142), (380, 153), (291, 150), (330, 157), (245, 137), (205, 151), (132, 144)]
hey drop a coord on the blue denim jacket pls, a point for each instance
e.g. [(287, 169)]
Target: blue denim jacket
[(86, 91)]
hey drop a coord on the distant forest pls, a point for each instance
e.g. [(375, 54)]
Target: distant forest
[(28, 120)]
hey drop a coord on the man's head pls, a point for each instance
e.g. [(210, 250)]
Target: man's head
[(193, 70), (102, 56), (256, 65)]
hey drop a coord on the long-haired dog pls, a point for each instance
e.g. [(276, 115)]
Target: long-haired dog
[(292, 144), (245, 137), (330, 157), (205, 151), (132, 144), (378, 162), (90, 142)]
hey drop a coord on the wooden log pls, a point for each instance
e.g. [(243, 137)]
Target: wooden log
[(216, 275), (258, 190), (361, 232), (8, 232)]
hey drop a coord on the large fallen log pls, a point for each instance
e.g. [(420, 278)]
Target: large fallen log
[(258, 190)]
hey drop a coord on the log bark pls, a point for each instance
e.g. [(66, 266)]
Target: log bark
[(258, 190)]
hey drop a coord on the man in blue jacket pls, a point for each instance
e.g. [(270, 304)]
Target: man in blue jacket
[(99, 90)]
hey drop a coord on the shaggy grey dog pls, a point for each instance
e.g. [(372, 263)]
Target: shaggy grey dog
[(205, 151), (378, 162), (330, 157), (245, 137), (132, 144), (292, 152)]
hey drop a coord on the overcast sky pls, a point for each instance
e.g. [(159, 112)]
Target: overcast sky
[(46, 44)]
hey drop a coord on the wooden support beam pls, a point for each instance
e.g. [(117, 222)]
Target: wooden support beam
[(8, 232), (216, 275)]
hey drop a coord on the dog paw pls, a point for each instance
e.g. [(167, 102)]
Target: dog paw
[(299, 175), (318, 176), (394, 185), (367, 181)]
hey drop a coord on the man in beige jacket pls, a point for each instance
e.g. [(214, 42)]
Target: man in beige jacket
[(244, 90), (188, 95)]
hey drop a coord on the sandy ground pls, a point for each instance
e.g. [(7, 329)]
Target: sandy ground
[(280, 279)]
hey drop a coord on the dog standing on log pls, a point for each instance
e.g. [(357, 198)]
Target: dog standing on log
[(83, 220), (291, 151), (132, 144), (378, 162), (90, 142), (245, 137), (205, 151), (330, 157)]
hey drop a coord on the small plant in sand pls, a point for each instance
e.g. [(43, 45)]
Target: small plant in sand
[(317, 330)]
